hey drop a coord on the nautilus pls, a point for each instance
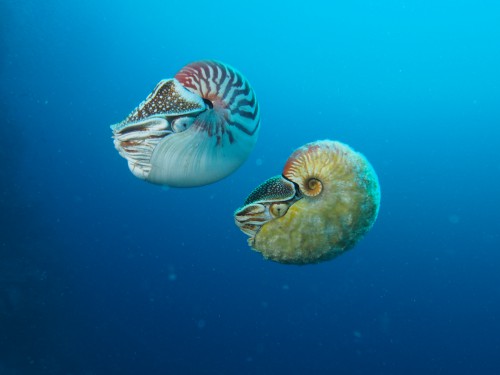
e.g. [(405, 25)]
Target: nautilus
[(193, 129), (325, 201)]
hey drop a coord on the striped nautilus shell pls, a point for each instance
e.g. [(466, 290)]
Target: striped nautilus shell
[(327, 198), (193, 129)]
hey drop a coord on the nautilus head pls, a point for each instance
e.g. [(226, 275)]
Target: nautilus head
[(193, 129), (327, 198)]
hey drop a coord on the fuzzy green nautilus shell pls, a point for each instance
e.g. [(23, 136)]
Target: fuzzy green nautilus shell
[(325, 201), (193, 129)]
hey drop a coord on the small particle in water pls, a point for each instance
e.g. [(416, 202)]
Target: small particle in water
[(454, 219), (172, 276), (201, 324), (258, 162)]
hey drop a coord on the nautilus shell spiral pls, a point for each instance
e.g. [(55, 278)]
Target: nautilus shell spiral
[(193, 129), (325, 201)]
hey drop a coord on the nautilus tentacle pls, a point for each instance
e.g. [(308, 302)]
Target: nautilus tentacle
[(193, 129), (326, 200)]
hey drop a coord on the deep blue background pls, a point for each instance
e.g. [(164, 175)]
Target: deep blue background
[(101, 273)]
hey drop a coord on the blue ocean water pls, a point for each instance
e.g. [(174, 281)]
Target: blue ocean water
[(101, 273)]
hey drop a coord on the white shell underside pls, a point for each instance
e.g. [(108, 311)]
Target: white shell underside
[(186, 159), (193, 158)]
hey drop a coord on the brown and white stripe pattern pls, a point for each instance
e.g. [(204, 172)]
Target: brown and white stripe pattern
[(230, 94), (191, 130)]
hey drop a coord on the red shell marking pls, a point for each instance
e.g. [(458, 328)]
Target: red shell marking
[(299, 154), (223, 87)]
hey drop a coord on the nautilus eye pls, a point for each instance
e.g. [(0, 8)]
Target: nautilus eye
[(193, 129), (332, 201), (181, 124), (278, 209)]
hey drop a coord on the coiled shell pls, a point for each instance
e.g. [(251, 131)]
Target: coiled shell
[(336, 202), (193, 129)]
